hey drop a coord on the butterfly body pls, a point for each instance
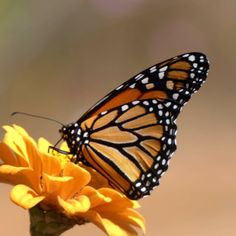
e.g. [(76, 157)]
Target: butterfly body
[(129, 135)]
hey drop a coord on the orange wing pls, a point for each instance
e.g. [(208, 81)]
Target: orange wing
[(172, 80), (129, 135), (130, 145)]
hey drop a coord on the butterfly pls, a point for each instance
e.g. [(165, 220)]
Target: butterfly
[(129, 136)]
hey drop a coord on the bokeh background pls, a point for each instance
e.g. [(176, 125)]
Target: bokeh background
[(57, 58)]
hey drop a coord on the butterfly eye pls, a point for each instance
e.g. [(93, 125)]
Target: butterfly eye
[(62, 130)]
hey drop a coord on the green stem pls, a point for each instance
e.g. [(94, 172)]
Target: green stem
[(49, 223)]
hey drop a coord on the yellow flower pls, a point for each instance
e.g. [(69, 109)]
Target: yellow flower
[(51, 180)]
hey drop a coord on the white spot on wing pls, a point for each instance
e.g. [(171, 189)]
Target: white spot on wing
[(168, 104), (191, 58), (132, 85), (103, 113), (139, 76), (153, 69), (135, 102), (156, 166), (186, 55), (149, 175), (143, 189), (195, 65), (154, 180), (121, 86), (124, 107), (163, 69), (175, 96), (161, 75), (145, 80), (146, 103)]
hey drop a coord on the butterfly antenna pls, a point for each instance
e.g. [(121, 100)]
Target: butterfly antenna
[(36, 116)]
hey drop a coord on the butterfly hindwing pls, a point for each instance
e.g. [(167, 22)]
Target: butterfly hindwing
[(131, 145)]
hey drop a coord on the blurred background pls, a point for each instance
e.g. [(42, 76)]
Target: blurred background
[(57, 58)]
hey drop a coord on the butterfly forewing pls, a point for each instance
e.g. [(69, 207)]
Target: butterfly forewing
[(174, 79), (129, 135)]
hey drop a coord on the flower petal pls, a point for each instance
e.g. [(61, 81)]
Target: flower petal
[(96, 198), (64, 147), (8, 156), (115, 224), (118, 199), (15, 142), (43, 145), (109, 227), (74, 178), (74, 206), (51, 165), (133, 217), (75, 190), (81, 177), (19, 175), (97, 180), (54, 185), (25, 197), (117, 213), (20, 130), (55, 165), (23, 145)]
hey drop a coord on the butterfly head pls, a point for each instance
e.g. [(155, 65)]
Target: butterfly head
[(71, 133)]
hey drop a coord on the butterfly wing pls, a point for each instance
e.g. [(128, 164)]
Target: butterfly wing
[(130, 133), (173, 80), (131, 145)]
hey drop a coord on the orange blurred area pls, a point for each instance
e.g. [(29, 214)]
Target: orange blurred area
[(57, 58)]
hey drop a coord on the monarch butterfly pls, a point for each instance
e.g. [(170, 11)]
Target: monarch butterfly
[(129, 135)]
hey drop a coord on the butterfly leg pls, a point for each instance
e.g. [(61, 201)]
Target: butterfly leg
[(58, 150)]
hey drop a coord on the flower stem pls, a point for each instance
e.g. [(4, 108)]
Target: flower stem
[(48, 223)]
